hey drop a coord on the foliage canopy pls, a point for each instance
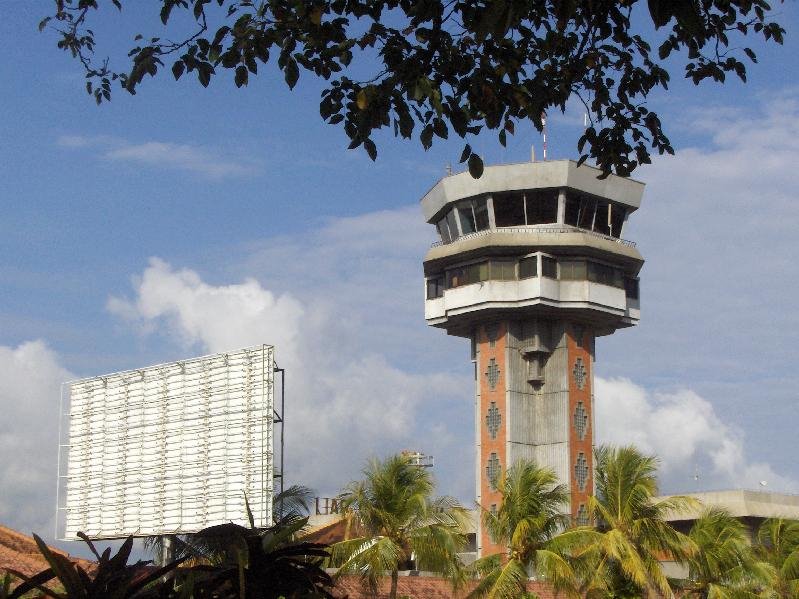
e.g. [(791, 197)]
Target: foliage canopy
[(530, 522), (633, 526), (397, 520), (427, 68)]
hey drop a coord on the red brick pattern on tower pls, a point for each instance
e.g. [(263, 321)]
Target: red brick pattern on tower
[(491, 344), (581, 409)]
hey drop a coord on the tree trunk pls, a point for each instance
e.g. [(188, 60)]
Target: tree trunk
[(394, 580)]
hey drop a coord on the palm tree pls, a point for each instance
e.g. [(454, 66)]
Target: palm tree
[(724, 566), (397, 521), (778, 545), (531, 523), (634, 532)]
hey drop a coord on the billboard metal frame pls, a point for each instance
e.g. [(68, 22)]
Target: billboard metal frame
[(276, 429)]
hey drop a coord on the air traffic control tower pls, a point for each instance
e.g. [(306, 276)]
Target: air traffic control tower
[(531, 267)]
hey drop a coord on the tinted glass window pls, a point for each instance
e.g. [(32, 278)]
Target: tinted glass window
[(573, 270), (572, 214), (443, 230), (542, 206), (528, 267), (466, 275), (435, 287), (606, 275), (587, 206), (509, 209), (617, 214), (453, 226), (631, 288), (602, 220), (466, 217), (502, 270), (549, 267), (481, 214)]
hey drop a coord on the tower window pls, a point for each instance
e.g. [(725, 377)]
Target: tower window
[(466, 275), (435, 287), (580, 420), (481, 214), (617, 215), (492, 373), (466, 217), (573, 270), (604, 274), (502, 270), (542, 206), (572, 213), (602, 220), (581, 471), (587, 207), (453, 225), (549, 267), (579, 373), (493, 469), (631, 288), (528, 267), (443, 230), (493, 419), (509, 209)]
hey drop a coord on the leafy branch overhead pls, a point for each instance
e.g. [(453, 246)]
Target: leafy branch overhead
[(430, 68)]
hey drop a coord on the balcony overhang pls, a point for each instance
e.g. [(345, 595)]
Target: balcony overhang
[(531, 175), (562, 241)]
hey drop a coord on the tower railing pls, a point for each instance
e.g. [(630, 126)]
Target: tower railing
[(537, 229)]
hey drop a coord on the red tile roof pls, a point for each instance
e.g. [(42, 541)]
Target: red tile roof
[(19, 552)]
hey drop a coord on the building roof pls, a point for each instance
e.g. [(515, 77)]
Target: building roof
[(743, 503), (531, 175), (19, 552)]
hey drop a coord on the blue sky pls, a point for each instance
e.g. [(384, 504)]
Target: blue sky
[(187, 220)]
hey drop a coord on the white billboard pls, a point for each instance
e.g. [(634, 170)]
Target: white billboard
[(168, 449)]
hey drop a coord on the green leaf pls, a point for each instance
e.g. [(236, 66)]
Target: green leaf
[(291, 72), (467, 151), (204, 74), (426, 137), (241, 75), (178, 68), (475, 166), (440, 128), (661, 12), (369, 145)]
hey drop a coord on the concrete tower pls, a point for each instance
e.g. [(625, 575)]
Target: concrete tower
[(531, 268)]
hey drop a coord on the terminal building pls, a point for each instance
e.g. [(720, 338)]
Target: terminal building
[(531, 267)]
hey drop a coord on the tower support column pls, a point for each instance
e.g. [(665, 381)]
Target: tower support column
[(534, 401)]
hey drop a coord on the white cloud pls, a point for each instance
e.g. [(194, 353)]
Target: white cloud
[(345, 401), (30, 387), (180, 157), (212, 163), (685, 432)]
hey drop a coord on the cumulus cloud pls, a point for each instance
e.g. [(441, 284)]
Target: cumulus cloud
[(685, 432), (30, 387), (345, 402), (208, 162)]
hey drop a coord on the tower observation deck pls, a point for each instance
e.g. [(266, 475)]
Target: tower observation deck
[(531, 267)]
